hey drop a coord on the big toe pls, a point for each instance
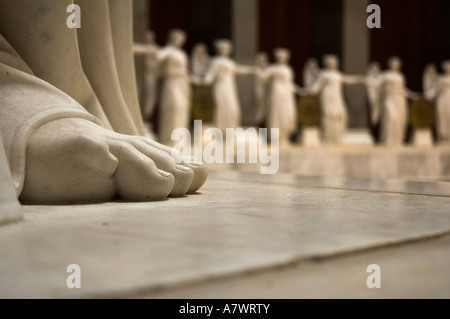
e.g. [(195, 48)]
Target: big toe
[(137, 177)]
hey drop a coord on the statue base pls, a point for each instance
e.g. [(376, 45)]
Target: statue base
[(422, 137), (310, 136)]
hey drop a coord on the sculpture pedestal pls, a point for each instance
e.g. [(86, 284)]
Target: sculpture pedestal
[(10, 210), (422, 137), (360, 137), (310, 136)]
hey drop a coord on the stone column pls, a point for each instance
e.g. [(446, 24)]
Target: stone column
[(355, 57), (245, 35)]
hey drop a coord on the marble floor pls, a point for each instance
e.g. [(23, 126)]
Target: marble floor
[(246, 235), (359, 161)]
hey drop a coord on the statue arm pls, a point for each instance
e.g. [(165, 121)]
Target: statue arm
[(299, 90), (373, 82), (433, 90), (354, 79), (245, 70), (142, 49), (196, 80), (211, 75), (316, 88), (411, 94), (262, 74)]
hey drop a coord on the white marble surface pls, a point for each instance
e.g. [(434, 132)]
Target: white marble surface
[(239, 224), (416, 270)]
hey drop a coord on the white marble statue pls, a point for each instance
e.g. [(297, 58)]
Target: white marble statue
[(222, 76), (68, 118), (334, 111), (311, 72), (429, 81), (373, 80), (175, 95), (151, 78), (200, 60), (280, 96), (437, 88), (175, 102), (393, 98), (261, 64)]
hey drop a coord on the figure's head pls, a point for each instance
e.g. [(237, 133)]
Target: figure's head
[(149, 37), (177, 38), (331, 62), (311, 64), (282, 55), (199, 50), (446, 66), (224, 47), (395, 63), (374, 67), (261, 59), (431, 69)]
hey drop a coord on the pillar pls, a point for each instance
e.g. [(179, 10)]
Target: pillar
[(355, 58), (244, 36)]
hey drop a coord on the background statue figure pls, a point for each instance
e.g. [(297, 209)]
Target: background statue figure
[(202, 100), (151, 79), (334, 111), (200, 60), (222, 76), (311, 72), (437, 88), (430, 81), (374, 105), (374, 78), (259, 87), (176, 93), (393, 96), (281, 96)]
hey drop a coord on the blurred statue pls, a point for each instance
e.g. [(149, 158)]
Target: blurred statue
[(334, 111), (373, 79), (430, 81), (392, 95), (202, 100), (200, 60), (311, 72), (261, 63), (281, 96), (437, 88), (69, 117), (222, 76), (151, 78), (176, 93)]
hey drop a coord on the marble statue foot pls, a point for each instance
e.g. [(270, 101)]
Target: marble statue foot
[(76, 161)]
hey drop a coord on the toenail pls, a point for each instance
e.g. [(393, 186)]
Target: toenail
[(163, 173), (196, 163), (183, 168)]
